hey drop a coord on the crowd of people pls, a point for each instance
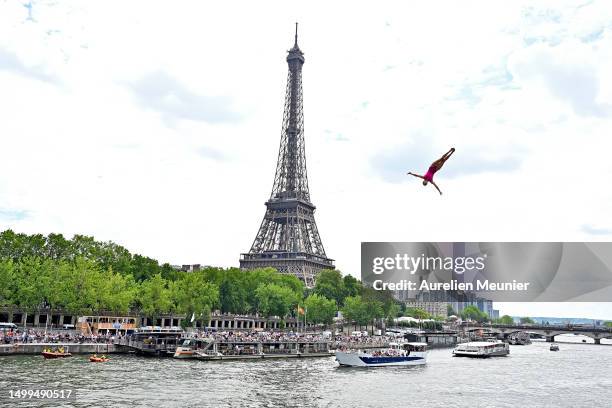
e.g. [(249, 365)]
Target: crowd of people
[(40, 336), (344, 342), (337, 340), (261, 336)]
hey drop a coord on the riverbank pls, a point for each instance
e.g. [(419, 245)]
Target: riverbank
[(74, 348)]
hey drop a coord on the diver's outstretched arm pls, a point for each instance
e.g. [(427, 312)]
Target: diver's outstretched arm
[(436, 186), (415, 175)]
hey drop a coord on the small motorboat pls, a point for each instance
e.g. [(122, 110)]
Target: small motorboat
[(554, 347), (55, 354), (96, 359)]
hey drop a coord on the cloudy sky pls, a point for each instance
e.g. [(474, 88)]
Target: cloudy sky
[(157, 125)]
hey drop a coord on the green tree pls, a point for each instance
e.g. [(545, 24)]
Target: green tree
[(472, 312), (87, 284), (155, 297), (505, 319), (60, 294), (352, 286), (253, 280), (31, 283), (143, 268), (319, 309), (393, 311), (526, 320), (375, 310), (169, 273), (289, 281), (275, 300), (194, 296), (383, 299), (7, 282), (416, 313), (356, 310), (118, 292), (330, 284), (57, 247), (233, 296)]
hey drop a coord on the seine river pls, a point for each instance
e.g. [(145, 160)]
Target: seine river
[(579, 375)]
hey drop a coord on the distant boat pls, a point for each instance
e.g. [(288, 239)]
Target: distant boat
[(554, 347), (482, 349), (404, 354), (519, 338)]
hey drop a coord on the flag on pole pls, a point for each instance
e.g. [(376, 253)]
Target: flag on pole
[(192, 317), (300, 310)]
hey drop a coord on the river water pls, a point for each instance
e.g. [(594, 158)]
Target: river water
[(579, 375)]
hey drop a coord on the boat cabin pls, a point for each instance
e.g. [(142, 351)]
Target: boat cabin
[(408, 347)]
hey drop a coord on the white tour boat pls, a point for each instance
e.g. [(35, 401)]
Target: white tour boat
[(395, 355), (482, 349)]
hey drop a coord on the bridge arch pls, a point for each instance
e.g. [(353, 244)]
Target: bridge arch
[(596, 333)]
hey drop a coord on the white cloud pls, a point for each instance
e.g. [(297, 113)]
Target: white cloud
[(569, 71), (592, 230), (10, 62), (163, 93)]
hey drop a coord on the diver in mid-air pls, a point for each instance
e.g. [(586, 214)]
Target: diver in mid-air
[(435, 166)]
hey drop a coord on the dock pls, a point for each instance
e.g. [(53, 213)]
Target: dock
[(251, 349), (74, 348)]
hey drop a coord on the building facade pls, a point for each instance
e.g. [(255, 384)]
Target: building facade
[(433, 308)]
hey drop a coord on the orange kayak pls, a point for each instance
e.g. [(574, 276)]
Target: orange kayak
[(98, 359), (55, 354)]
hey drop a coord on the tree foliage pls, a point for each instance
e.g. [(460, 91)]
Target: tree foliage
[(194, 296), (505, 319), (319, 309), (276, 300), (416, 313), (361, 310), (330, 285), (471, 312), (82, 275)]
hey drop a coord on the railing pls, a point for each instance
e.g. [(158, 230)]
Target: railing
[(280, 255)]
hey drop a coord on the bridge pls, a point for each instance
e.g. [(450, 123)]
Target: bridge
[(548, 331)]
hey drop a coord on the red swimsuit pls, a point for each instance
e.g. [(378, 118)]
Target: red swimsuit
[(430, 173)]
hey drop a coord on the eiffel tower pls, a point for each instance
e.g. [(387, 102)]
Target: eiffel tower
[(288, 238)]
